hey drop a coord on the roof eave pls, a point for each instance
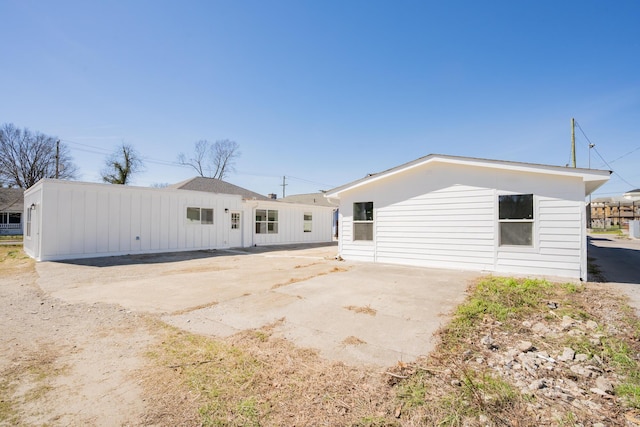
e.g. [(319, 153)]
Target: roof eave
[(598, 177)]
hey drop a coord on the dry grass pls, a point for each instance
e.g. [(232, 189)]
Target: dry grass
[(362, 309), (351, 340), (256, 379)]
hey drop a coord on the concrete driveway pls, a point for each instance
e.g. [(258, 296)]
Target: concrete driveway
[(357, 313)]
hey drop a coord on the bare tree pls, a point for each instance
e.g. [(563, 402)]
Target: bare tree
[(26, 157), (122, 165), (215, 160), (200, 157)]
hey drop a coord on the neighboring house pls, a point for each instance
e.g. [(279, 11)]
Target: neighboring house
[(608, 212), (11, 207), (70, 219), (472, 214)]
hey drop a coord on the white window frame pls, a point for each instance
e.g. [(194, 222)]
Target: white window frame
[(28, 223), (235, 220), (308, 222), (270, 222), (531, 221), (202, 215), (369, 222)]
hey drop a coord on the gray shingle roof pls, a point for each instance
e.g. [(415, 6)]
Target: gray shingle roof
[(317, 199), (212, 185), (11, 199)]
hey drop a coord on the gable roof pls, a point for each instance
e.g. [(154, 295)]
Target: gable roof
[(11, 199), (317, 199), (213, 185), (593, 178)]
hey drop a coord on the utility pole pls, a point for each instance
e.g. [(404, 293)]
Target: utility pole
[(573, 143), (283, 185), (57, 158)]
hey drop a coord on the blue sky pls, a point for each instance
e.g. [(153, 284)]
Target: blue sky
[(324, 92)]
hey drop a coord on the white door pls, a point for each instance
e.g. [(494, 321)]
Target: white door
[(235, 233)]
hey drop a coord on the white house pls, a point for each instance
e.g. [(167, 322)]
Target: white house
[(472, 214), (70, 219)]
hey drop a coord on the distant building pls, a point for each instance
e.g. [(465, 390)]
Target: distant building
[(11, 207), (613, 212)]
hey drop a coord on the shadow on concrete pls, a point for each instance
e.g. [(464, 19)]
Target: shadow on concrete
[(613, 262), (169, 257)]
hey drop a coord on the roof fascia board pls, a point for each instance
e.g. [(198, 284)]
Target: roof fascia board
[(585, 174)]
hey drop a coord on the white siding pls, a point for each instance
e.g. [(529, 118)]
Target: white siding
[(86, 220), (80, 220), (291, 223), (558, 246), (444, 215), (451, 228)]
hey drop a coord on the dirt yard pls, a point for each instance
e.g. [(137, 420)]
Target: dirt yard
[(70, 360)]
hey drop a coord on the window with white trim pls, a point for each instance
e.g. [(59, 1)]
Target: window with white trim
[(308, 220), (266, 221), (28, 224), (235, 220), (363, 221), (199, 215), (515, 216)]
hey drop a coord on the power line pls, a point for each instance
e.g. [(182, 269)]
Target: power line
[(592, 145), (104, 151)]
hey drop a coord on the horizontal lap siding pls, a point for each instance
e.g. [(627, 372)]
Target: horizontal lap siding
[(558, 242), (452, 227), (357, 251)]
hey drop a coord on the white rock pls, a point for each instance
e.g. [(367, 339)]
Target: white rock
[(581, 357), (604, 384), (524, 346), (567, 355), (591, 325), (567, 322)]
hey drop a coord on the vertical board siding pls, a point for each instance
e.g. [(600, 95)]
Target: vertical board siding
[(81, 220), (291, 224), (448, 227)]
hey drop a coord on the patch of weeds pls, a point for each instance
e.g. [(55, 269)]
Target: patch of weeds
[(500, 298), (478, 393), (629, 390), (568, 419), (572, 288), (222, 374), (413, 391), (619, 353), (248, 413), (8, 413), (261, 335)]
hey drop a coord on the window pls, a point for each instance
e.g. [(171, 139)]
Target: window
[(199, 215), (14, 217), (28, 231), (266, 221), (235, 220), (206, 216), (10, 217), (363, 221), (307, 222), (515, 213)]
